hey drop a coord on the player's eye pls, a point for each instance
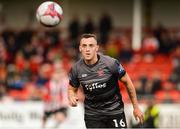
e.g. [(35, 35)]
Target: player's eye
[(84, 45), (91, 45)]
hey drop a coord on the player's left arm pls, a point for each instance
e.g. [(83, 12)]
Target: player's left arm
[(132, 94)]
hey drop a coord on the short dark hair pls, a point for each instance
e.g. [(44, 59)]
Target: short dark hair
[(88, 35)]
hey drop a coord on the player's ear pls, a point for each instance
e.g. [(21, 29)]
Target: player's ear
[(97, 48), (80, 48)]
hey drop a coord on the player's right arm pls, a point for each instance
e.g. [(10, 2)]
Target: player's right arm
[(72, 95)]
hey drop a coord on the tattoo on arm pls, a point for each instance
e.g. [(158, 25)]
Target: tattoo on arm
[(131, 90), (132, 95)]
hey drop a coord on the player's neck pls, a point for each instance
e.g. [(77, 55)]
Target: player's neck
[(93, 61)]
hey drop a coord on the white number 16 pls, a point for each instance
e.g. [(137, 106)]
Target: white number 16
[(121, 123)]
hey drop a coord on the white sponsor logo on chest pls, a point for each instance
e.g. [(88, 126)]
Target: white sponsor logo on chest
[(84, 75), (93, 86)]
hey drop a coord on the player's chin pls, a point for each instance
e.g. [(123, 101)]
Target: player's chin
[(88, 58)]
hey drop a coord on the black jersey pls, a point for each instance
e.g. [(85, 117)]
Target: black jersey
[(100, 85)]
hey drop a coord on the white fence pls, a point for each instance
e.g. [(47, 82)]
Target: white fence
[(27, 115)]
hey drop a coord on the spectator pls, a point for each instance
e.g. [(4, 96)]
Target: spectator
[(74, 28), (150, 44), (151, 115), (126, 52), (175, 75), (105, 26), (89, 25), (44, 75), (14, 80), (165, 43), (156, 82), (111, 46)]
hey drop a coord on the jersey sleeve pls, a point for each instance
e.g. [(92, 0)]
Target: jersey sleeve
[(118, 69), (73, 77)]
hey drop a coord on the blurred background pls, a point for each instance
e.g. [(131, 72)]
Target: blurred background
[(144, 35)]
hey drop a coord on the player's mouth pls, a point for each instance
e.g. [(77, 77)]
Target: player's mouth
[(87, 54)]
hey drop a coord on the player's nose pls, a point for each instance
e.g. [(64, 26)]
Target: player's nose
[(88, 49)]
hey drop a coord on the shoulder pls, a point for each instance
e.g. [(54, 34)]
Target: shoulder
[(108, 60), (77, 65), (112, 63)]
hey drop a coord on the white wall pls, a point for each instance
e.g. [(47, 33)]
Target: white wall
[(27, 115)]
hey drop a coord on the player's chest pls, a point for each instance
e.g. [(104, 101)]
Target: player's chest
[(94, 74)]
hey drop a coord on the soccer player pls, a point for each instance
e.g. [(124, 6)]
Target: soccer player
[(56, 102), (98, 75)]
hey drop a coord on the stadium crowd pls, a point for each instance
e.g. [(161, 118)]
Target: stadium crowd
[(28, 57)]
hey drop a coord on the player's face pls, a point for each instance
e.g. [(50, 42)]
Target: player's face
[(88, 48)]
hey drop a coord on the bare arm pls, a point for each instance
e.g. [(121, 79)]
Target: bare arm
[(132, 94), (130, 88), (72, 95)]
